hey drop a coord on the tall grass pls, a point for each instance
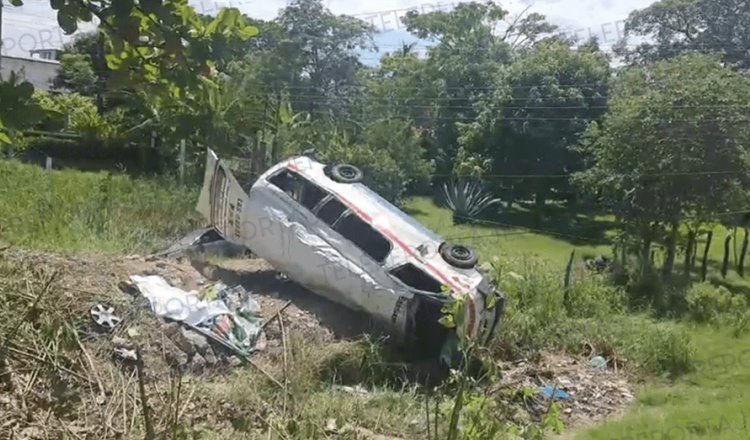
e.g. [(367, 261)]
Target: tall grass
[(596, 321), (71, 211)]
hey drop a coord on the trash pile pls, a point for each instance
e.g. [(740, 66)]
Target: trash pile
[(226, 315), (586, 390)]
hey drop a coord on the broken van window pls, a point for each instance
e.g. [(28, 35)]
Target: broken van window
[(414, 277), (300, 189), (331, 211), (364, 236)]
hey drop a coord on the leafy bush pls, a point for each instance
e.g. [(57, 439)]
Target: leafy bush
[(388, 152), (78, 114), (708, 303)]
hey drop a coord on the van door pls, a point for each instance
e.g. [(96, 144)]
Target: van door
[(222, 199)]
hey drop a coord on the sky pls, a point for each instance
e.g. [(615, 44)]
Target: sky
[(34, 25)]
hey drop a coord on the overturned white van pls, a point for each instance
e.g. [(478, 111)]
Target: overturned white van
[(330, 233)]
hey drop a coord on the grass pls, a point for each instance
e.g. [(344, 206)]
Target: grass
[(514, 235), (711, 403), (72, 211)]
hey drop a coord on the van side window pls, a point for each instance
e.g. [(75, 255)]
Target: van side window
[(414, 277), (300, 189), (350, 226), (364, 236), (331, 211)]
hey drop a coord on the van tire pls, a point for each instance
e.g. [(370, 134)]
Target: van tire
[(459, 256), (345, 173)]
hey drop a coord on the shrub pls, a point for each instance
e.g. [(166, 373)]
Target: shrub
[(389, 153), (79, 115), (707, 303)]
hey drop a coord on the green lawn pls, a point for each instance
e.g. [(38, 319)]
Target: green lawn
[(517, 234), (711, 403)]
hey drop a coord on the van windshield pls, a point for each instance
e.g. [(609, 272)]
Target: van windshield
[(386, 205)]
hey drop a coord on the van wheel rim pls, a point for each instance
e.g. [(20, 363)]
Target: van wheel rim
[(348, 172), (460, 253)]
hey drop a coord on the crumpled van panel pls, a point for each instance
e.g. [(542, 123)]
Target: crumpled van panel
[(293, 239)]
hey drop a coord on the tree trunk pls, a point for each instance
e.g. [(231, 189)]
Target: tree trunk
[(646, 251), (689, 253), (743, 253), (704, 265), (541, 198), (671, 251), (725, 262), (694, 252)]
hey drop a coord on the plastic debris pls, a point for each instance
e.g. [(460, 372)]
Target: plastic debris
[(227, 315), (555, 394), (598, 362), (104, 316)]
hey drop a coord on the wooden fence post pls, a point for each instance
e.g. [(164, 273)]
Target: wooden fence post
[(48, 164), (182, 162)]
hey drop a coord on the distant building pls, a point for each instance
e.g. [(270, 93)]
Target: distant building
[(39, 70)]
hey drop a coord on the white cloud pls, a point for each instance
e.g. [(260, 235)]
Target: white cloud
[(34, 26)]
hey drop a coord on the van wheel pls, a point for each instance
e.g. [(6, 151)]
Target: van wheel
[(459, 256), (345, 173)]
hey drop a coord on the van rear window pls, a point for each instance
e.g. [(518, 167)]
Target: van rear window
[(416, 278)]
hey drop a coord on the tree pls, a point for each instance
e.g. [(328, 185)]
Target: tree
[(76, 75), (459, 68), (471, 50), (673, 146), (323, 46), (542, 103), (84, 68), (162, 46), (675, 27)]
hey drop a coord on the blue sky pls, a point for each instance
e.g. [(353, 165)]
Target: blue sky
[(34, 25)]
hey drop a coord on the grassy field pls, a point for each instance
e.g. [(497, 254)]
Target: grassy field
[(71, 211), (518, 233), (710, 403)]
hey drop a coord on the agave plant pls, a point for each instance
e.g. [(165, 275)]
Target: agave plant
[(467, 199)]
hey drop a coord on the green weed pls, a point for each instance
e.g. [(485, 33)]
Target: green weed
[(73, 211)]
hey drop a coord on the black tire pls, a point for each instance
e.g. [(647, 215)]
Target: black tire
[(459, 256), (345, 173)]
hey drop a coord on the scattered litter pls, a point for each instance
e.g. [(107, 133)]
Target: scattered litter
[(105, 317), (595, 394), (598, 362), (358, 390), (555, 394), (226, 315), (124, 350)]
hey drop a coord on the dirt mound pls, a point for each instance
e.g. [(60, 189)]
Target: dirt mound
[(98, 372)]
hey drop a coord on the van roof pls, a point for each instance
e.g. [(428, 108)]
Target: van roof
[(399, 228)]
